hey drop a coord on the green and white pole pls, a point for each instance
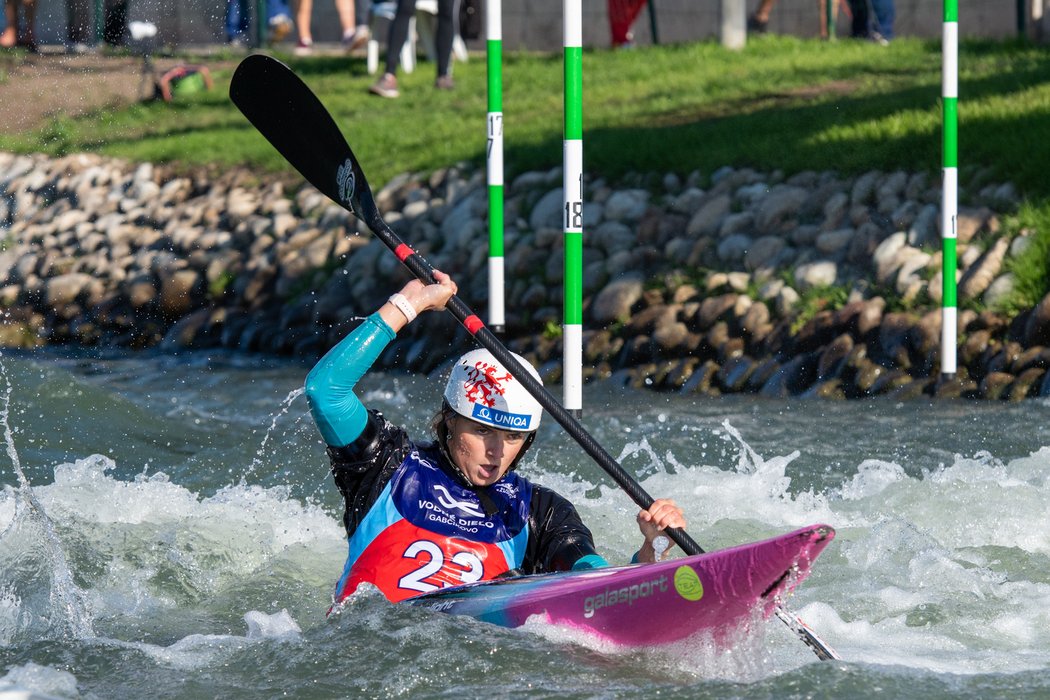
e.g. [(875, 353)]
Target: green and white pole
[(950, 193), (572, 186), (100, 12), (494, 46)]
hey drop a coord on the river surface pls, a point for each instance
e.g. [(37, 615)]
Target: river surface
[(168, 529)]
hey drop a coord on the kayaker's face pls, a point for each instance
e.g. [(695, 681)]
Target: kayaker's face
[(482, 453)]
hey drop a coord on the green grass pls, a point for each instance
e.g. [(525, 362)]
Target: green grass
[(9, 60), (782, 103), (1031, 268)]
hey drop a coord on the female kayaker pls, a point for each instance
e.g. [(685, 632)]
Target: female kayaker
[(423, 516)]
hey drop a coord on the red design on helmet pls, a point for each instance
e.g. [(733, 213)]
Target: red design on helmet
[(485, 382)]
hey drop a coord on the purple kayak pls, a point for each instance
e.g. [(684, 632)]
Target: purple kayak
[(647, 604)]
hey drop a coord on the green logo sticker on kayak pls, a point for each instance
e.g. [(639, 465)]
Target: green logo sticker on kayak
[(687, 583)]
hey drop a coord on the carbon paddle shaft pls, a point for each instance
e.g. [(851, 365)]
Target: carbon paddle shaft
[(289, 115)]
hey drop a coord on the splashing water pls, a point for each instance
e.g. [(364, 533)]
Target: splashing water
[(285, 406), (68, 613)]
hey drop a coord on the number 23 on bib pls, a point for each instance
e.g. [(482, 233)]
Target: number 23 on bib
[(407, 561)]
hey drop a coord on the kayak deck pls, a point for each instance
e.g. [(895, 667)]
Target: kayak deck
[(646, 604)]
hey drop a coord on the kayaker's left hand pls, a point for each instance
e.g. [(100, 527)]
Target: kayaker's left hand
[(663, 513)]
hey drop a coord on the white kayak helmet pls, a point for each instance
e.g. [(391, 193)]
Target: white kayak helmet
[(481, 389)]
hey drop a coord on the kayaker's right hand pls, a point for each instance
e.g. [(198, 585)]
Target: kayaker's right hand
[(418, 297), (662, 514)]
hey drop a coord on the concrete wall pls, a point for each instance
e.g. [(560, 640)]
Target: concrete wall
[(537, 24)]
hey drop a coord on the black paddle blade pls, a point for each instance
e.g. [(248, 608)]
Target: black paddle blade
[(288, 114)]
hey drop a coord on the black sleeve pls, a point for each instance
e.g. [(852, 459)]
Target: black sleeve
[(558, 536), (363, 468)]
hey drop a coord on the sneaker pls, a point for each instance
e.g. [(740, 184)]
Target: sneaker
[(444, 82), (756, 25), (879, 39), (280, 27), (385, 86), (305, 47), (356, 39)]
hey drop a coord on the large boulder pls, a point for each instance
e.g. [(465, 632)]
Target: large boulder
[(615, 301)]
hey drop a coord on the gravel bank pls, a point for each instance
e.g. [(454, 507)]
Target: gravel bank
[(733, 281)]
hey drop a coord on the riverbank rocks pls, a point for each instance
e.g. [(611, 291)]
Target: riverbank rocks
[(812, 284)]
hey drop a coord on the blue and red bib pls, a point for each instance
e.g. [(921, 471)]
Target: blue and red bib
[(426, 531)]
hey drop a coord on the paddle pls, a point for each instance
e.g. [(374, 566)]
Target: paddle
[(288, 114)]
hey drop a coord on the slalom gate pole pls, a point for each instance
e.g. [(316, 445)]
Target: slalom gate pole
[(950, 191), (494, 161), (572, 187)]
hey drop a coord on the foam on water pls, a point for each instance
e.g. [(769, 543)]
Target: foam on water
[(196, 651), (45, 682), (149, 547), (941, 564), (743, 655)]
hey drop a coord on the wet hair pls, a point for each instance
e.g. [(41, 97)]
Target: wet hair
[(439, 424)]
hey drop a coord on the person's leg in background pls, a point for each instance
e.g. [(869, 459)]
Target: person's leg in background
[(29, 16), (359, 33), (446, 31), (345, 10), (10, 35), (79, 28), (361, 10), (303, 13), (279, 19), (859, 24), (758, 20), (885, 15), (238, 14), (386, 86), (836, 6)]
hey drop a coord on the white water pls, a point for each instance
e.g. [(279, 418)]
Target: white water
[(210, 554)]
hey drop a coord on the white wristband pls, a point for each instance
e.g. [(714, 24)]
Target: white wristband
[(403, 306)]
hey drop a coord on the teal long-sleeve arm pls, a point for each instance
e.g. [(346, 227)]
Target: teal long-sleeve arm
[(339, 414)]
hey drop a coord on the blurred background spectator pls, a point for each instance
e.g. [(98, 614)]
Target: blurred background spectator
[(16, 34), (238, 21)]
